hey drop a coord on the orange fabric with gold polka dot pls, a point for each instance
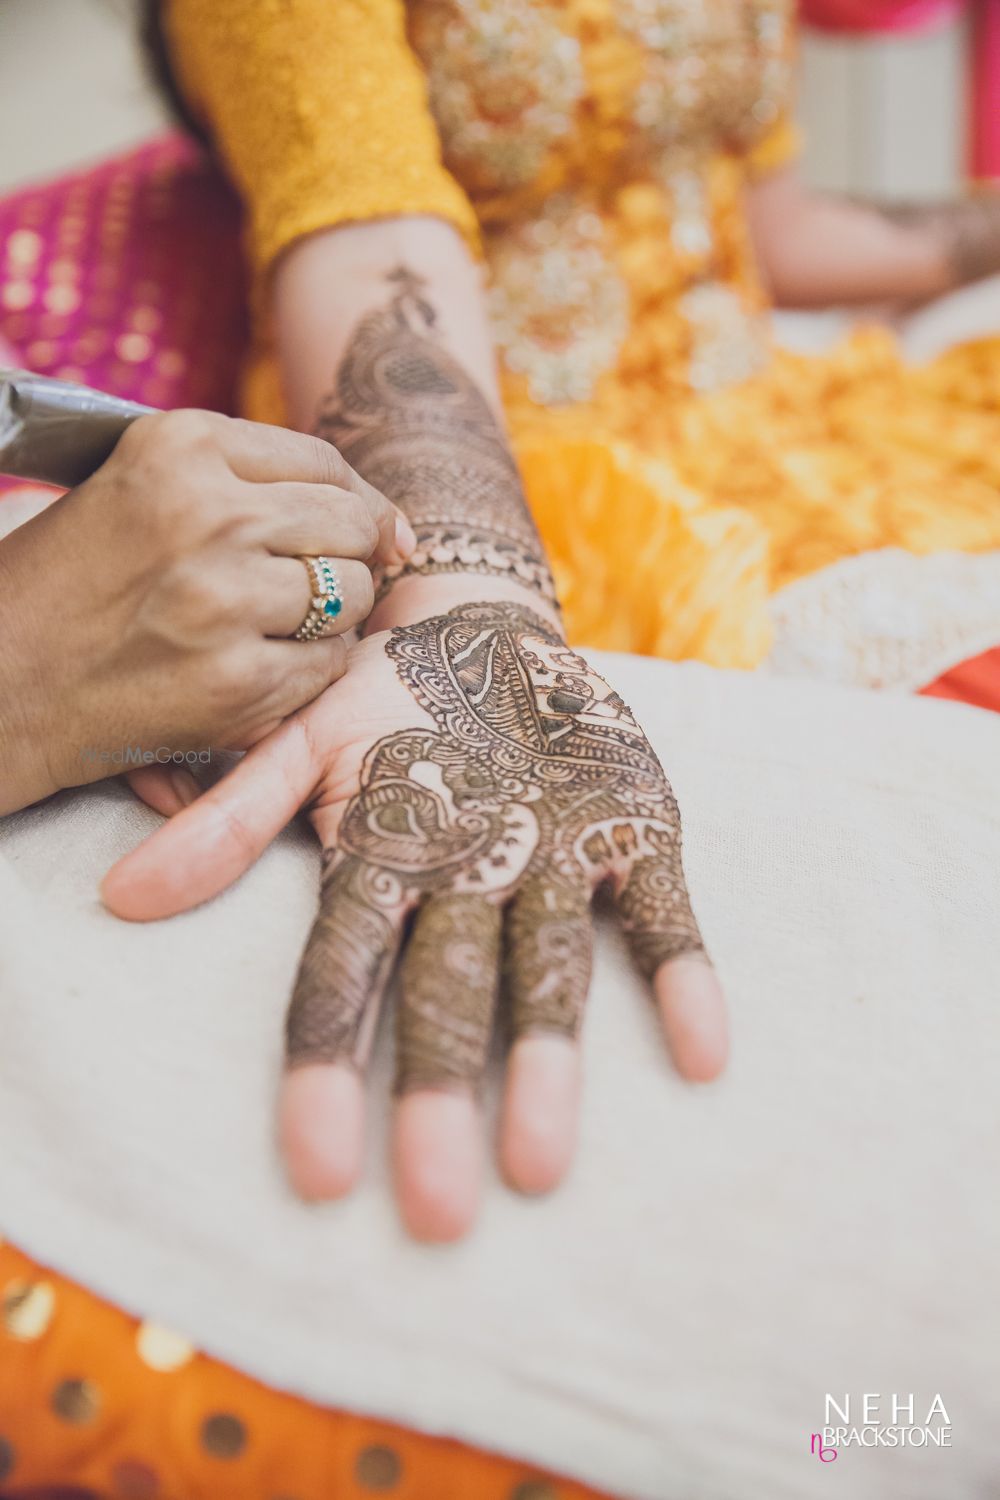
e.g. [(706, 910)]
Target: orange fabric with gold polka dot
[(93, 1399)]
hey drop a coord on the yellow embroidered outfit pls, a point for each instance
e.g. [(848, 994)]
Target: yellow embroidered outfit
[(681, 470)]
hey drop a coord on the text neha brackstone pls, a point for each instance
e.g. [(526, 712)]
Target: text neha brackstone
[(888, 1423)]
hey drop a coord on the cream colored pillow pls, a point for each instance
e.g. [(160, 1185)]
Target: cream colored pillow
[(668, 1326)]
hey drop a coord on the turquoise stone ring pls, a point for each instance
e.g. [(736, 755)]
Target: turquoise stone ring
[(327, 599)]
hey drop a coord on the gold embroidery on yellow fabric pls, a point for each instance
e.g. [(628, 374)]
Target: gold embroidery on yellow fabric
[(549, 114), (729, 342), (709, 71), (559, 307), (504, 79)]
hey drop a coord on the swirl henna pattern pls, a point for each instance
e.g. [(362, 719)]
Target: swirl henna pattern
[(491, 828), (408, 416)]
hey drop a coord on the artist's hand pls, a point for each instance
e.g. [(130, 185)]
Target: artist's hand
[(473, 775), (143, 611)]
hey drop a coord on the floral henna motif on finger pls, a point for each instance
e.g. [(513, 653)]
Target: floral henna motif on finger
[(533, 786)]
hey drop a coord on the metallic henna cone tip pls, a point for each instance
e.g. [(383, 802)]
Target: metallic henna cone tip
[(55, 431)]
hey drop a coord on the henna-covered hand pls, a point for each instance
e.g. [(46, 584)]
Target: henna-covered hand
[(473, 782), (534, 786)]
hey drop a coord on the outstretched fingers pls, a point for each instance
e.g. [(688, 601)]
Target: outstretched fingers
[(549, 944), (651, 898), (212, 840), (444, 1024), (331, 1022)]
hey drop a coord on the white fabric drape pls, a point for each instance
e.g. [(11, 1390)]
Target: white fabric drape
[(667, 1326)]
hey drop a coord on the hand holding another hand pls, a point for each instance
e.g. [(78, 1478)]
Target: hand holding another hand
[(150, 607)]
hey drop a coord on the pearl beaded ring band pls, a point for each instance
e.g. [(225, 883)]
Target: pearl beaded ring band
[(326, 603)]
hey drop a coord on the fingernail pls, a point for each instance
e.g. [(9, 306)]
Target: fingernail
[(185, 786), (406, 538)]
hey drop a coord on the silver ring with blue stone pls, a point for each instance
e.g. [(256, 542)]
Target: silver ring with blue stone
[(326, 603)]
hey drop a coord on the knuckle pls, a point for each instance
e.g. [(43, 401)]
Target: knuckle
[(333, 662), (199, 596), (379, 508), (360, 517), (330, 466), (359, 590), (366, 588), (136, 438), (169, 464), (324, 462), (174, 435)]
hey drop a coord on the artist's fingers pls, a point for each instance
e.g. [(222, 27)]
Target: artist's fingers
[(549, 942), (322, 519), (330, 1024), (208, 845), (282, 592), (166, 789), (291, 674), (277, 455), (449, 988), (662, 932), (267, 454)]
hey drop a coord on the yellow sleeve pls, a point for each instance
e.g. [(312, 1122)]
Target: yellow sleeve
[(319, 110), (778, 148)]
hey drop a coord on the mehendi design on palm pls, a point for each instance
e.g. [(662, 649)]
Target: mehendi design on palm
[(531, 785)]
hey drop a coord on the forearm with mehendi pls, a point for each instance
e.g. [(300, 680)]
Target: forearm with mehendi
[(409, 417), (385, 349), (820, 250), (516, 779), (967, 230)]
